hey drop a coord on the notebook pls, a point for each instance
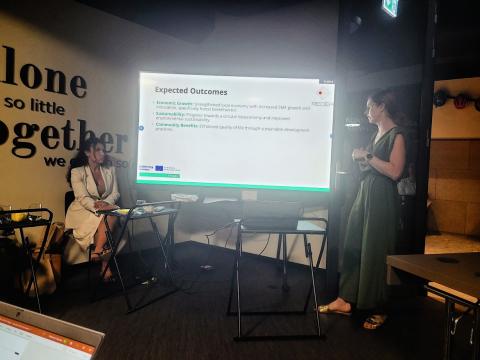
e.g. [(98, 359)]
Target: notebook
[(28, 335), (271, 215)]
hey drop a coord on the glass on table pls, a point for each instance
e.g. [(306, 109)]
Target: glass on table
[(5, 207), (34, 215), (140, 210), (5, 218)]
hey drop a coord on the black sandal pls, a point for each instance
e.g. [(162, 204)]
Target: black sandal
[(373, 322), (101, 256)]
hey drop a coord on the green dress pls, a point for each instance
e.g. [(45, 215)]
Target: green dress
[(371, 233)]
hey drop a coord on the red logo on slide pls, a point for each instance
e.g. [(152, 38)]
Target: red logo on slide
[(323, 92)]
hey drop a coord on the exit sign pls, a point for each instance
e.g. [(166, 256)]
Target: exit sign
[(390, 7)]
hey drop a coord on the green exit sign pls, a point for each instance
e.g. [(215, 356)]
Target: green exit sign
[(390, 7)]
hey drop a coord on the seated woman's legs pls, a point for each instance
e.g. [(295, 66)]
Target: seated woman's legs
[(100, 236), (100, 240)]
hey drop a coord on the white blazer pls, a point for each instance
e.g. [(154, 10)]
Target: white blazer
[(81, 216)]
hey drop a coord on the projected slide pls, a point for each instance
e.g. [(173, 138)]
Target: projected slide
[(245, 132)]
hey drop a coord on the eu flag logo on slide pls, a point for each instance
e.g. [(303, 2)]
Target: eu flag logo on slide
[(158, 167)]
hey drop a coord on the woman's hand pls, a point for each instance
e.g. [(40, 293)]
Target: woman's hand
[(359, 154), (393, 168), (103, 205)]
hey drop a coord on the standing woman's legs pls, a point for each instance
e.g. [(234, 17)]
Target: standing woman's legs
[(352, 252), (349, 279)]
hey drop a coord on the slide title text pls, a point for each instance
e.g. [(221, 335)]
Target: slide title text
[(192, 91)]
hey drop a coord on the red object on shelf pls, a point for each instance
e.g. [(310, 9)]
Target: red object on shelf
[(477, 104), (461, 101)]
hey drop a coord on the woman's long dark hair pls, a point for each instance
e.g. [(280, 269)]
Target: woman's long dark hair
[(81, 158), (388, 98)]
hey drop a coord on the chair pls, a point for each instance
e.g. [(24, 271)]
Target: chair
[(69, 198)]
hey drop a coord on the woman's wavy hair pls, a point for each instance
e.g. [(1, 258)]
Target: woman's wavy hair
[(388, 97), (81, 158)]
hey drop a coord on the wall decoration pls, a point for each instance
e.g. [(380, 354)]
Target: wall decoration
[(477, 104), (440, 98), (460, 101)]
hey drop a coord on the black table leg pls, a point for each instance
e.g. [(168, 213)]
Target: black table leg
[(166, 264), (33, 276), (36, 263), (282, 264), (285, 286), (171, 238), (279, 249), (114, 248), (33, 262), (238, 252), (232, 285), (449, 308), (308, 253), (476, 333), (113, 256), (320, 255)]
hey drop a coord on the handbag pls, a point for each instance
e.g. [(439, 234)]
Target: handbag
[(49, 268), (45, 276)]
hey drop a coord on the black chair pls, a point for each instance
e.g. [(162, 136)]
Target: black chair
[(69, 198)]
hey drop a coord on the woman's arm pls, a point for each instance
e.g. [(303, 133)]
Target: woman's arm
[(394, 167), (80, 189)]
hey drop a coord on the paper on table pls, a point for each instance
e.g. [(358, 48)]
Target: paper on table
[(210, 200), (184, 197)]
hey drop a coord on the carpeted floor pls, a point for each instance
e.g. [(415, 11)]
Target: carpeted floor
[(192, 323)]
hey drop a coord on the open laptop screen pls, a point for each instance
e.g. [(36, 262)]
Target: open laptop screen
[(19, 340)]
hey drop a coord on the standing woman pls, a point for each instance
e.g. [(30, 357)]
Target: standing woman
[(95, 187), (372, 227)]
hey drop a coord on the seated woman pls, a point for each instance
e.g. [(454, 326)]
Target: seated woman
[(95, 187)]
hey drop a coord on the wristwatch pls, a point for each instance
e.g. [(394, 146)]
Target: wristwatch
[(369, 156)]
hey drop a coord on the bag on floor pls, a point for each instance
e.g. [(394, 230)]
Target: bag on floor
[(49, 268), (45, 276)]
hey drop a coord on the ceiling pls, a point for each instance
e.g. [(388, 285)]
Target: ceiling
[(457, 39), (377, 43), (188, 20), (382, 42)]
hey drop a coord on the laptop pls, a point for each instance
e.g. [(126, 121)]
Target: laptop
[(28, 335), (271, 215)]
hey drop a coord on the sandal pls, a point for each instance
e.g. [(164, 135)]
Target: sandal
[(101, 256), (324, 309), (374, 322)]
